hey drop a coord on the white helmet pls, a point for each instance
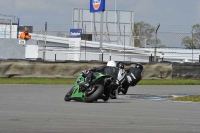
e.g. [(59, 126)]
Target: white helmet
[(111, 63)]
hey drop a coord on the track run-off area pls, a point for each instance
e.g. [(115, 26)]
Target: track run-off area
[(145, 109)]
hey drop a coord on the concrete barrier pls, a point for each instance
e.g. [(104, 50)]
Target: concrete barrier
[(22, 68), (11, 49)]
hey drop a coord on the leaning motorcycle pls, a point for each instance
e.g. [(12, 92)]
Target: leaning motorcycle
[(99, 88), (126, 78), (133, 76)]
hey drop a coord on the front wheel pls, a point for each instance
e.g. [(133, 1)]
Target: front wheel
[(125, 89), (94, 94), (68, 95)]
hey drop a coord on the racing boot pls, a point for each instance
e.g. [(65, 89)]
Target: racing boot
[(114, 94)]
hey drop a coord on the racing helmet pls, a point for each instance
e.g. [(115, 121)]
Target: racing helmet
[(139, 66), (111, 63), (120, 65), (85, 72)]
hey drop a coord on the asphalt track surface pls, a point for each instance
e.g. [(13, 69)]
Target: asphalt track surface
[(41, 109)]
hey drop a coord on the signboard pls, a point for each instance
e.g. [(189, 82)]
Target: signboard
[(97, 5), (21, 41), (75, 44), (30, 28), (75, 33), (75, 38)]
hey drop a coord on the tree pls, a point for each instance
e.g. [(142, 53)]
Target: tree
[(61, 34), (144, 31), (187, 41), (194, 41), (162, 46)]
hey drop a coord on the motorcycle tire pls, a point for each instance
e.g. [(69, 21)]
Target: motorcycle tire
[(125, 91), (125, 86), (68, 95), (95, 95)]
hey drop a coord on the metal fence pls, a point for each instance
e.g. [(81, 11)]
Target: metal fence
[(176, 47), (165, 39)]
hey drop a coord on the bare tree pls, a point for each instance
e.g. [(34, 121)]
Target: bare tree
[(194, 41), (144, 30)]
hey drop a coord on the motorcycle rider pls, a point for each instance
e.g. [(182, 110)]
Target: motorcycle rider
[(128, 77), (109, 69), (134, 75), (85, 85), (122, 74), (88, 76)]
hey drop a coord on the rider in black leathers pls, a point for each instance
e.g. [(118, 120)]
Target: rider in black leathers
[(122, 74), (123, 78), (134, 74), (109, 69)]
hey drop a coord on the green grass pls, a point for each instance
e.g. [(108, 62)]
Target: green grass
[(72, 81), (188, 98), (55, 81), (170, 82)]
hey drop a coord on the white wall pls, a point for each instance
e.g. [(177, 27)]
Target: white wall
[(5, 31)]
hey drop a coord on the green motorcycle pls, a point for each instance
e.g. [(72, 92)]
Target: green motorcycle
[(100, 88)]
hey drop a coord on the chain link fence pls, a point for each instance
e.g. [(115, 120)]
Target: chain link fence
[(53, 41), (175, 47), (8, 26)]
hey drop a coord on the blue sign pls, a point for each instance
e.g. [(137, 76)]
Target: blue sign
[(97, 5), (75, 33)]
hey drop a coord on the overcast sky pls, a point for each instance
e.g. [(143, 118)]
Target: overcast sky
[(173, 15)]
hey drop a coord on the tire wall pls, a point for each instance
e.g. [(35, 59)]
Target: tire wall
[(21, 68), (186, 71)]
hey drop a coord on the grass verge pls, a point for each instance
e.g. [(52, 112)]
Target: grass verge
[(72, 81), (56, 81), (188, 98), (170, 82)]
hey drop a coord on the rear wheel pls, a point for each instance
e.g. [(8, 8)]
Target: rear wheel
[(94, 94)]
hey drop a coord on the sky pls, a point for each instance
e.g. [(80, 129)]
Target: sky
[(173, 15)]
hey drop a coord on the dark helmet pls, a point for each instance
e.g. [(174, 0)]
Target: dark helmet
[(120, 65), (139, 66), (85, 72)]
